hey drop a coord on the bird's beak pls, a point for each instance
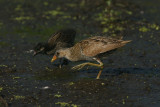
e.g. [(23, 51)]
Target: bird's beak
[(54, 58), (35, 53)]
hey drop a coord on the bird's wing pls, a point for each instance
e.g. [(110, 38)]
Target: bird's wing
[(59, 45), (98, 44), (51, 52), (52, 40), (64, 35)]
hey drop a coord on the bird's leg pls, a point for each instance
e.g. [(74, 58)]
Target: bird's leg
[(101, 66), (60, 63), (80, 66), (63, 62)]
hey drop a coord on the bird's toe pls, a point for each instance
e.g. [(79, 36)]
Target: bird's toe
[(78, 67)]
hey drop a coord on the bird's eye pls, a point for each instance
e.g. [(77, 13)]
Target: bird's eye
[(57, 53)]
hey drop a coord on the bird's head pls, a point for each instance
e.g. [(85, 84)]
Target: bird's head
[(59, 54), (39, 48)]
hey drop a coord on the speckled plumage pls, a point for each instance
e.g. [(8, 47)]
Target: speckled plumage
[(93, 46), (90, 49)]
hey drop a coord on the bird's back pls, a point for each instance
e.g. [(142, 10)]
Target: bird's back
[(99, 44)]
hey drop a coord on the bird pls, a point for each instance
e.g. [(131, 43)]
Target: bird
[(90, 49), (61, 39)]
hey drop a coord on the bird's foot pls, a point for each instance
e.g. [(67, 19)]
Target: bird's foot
[(60, 66), (80, 66)]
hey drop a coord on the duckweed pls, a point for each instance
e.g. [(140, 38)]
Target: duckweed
[(57, 95), (21, 18), (17, 97), (144, 29), (64, 104), (1, 88)]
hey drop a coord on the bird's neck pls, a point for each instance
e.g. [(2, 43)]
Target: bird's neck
[(73, 53), (67, 53)]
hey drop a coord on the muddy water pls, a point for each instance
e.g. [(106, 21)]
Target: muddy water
[(131, 74)]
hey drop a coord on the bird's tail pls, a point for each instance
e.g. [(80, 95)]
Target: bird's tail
[(127, 41)]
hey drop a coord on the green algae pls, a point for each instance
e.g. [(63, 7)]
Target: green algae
[(47, 21), (57, 95), (144, 29), (21, 18), (65, 104), (4, 44), (45, 3), (52, 18), (1, 88), (16, 78), (17, 97), (71, 83), (154, 26), (149, 27), (18, 8), (54, 12)]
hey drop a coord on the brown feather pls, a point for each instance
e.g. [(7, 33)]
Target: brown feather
[(63, 35), (52, 40), (96, 45)]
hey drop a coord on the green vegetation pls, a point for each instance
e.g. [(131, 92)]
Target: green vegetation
[(64, 104), (109, 15), (3, 66), (21, 18), (27, 23), (144, 29), (71, 83), (54, 12), (16, 77), (57, 95), (154, 26), (3, 44), (112, 17), (1, 88), (17, 97), (149, 27)]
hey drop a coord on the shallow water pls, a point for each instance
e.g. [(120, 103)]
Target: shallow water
[(130, 76)]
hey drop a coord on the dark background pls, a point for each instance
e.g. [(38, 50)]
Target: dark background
[(130, 76)]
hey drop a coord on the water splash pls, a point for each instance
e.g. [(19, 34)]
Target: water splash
[(29, 51)]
